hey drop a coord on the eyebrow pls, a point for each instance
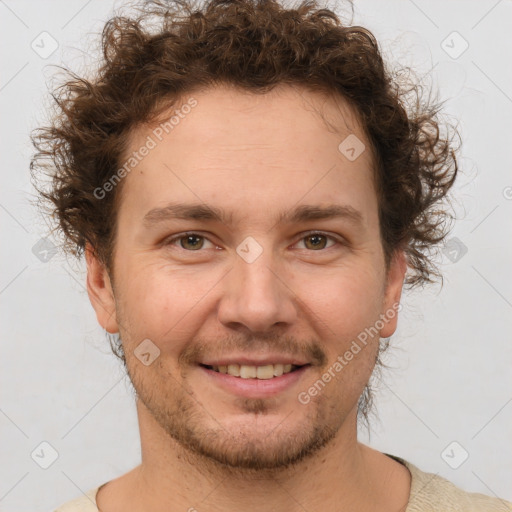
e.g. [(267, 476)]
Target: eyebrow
[(199, 211)]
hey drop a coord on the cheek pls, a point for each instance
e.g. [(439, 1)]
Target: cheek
[(346, 301), (344, 311), (163, 304)]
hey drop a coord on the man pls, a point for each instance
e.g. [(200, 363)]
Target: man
[(251, 196)]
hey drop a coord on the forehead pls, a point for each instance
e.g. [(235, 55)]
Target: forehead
[(230, 146), (291, 113)]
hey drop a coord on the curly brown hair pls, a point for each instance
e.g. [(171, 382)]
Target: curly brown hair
[(171, 49)]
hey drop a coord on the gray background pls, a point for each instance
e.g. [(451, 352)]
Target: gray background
[(450, 366)]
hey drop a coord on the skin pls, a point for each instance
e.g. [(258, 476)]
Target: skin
[(203, 446)]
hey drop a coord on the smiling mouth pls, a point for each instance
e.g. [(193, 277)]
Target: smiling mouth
[(265, 372)]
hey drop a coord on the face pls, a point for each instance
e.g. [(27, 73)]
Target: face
[(291, 272)]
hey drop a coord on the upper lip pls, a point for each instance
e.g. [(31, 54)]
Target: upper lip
[(255, 361)]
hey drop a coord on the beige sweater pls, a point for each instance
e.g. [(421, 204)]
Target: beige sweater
[(429, 493)]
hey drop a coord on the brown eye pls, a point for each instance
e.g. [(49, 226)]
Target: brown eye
[(191, 242), (317, 241)]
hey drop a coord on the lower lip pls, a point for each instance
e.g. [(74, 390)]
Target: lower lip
[(255, 388)]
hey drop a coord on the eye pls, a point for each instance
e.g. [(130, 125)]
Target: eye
[(317, 240), (189, 241)]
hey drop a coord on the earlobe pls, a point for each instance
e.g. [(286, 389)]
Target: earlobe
[(395, 281), (100, 291)]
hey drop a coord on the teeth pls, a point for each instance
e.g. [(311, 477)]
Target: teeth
[(248, 372), (278, 370), (265, 372), (234, 369), (243, 371)]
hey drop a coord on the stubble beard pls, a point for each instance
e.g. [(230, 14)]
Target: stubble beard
[(202, 438)]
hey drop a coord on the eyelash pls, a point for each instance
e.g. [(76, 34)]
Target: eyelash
[(175, 238)]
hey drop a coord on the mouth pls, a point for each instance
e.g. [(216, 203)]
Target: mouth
[(264, 372), (265, 381)]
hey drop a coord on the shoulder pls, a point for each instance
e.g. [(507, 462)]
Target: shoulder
[(85, 503), (430, 491)]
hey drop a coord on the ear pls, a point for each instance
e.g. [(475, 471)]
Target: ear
[(100, 291), (391, 303)]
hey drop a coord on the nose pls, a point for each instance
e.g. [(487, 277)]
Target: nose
[(257, 296)]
